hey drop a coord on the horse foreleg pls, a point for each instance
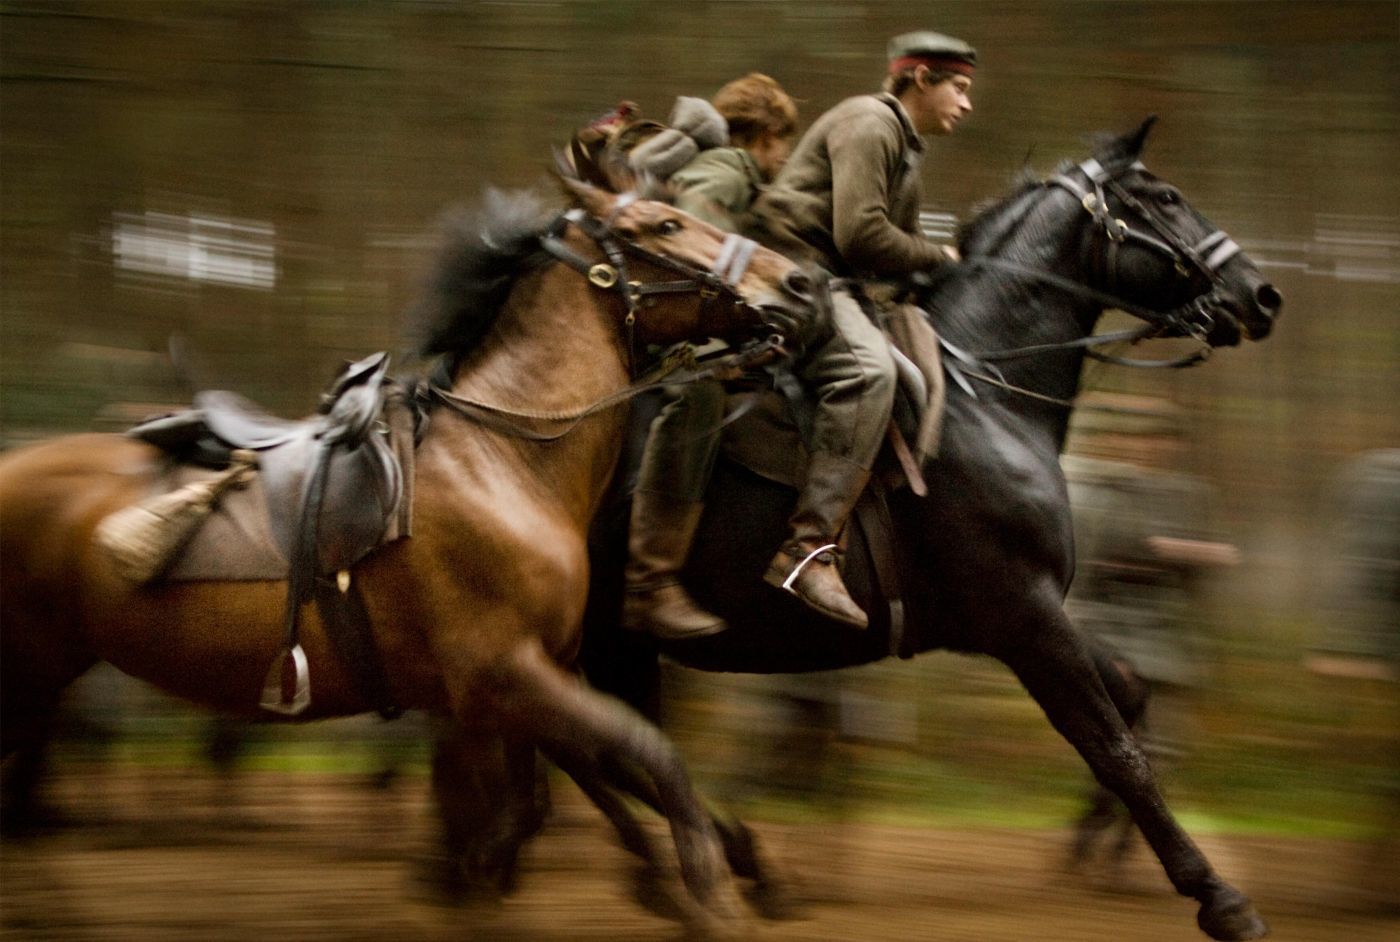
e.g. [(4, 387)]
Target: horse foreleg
[(1056, 669), (768, 893), (1130, 695), (487, 800), (650, 886), (539, 701)]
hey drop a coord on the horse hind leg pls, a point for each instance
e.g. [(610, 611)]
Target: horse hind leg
[(1058, 672), (28, 710)]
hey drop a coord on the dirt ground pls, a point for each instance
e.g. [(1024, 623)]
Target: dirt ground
[(167, 856)]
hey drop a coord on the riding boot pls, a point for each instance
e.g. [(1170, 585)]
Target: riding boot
[(808, 564), (661, 532)]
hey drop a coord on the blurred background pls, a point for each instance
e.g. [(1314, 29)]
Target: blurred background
[(263, 180)]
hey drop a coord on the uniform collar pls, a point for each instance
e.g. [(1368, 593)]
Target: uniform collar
[(751, 168), (906, 124)]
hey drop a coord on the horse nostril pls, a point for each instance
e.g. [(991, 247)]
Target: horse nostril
[(1268, 300), (799, 285)]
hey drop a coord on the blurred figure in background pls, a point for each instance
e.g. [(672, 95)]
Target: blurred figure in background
[(1143, 543), (1360, 646), (718, 185)]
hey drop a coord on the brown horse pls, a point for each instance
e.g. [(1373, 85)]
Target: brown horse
[(477, 617)]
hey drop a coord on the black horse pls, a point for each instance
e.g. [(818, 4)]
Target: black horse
[(984, 560)]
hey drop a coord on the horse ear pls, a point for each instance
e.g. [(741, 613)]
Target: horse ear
[(597, 201), (1135, 141), (1113, 151)]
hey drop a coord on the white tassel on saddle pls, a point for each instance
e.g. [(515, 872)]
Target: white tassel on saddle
[(143, 540)]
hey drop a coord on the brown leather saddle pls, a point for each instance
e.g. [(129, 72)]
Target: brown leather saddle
[(333, 487), (332, 483)]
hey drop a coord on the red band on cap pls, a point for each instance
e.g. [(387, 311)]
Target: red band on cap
[(935, 63)]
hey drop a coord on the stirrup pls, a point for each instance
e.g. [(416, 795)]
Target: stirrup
[(797, 570)]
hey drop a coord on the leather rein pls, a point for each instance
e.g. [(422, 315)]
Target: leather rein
[(716, 285)]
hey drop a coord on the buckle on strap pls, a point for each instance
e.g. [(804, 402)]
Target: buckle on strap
[(797, 570), (602, 275)]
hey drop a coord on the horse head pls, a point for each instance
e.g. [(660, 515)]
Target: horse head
[(1145, 244), (679, 277)]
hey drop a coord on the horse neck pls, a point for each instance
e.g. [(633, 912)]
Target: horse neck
[(554, 348), (991, 310)]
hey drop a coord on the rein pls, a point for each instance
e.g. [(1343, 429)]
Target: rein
[(509, 421)]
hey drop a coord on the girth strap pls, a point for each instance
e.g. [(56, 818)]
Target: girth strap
[(346, 619)]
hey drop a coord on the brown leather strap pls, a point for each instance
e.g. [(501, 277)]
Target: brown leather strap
[(872, 513), (906, 460)]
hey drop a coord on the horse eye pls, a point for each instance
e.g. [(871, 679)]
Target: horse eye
[(669, 227), (1169, 197)]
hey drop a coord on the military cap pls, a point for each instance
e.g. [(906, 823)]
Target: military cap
[(938, 52)]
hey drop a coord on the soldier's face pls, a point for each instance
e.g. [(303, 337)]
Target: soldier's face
[(770, 152), (945, 104)]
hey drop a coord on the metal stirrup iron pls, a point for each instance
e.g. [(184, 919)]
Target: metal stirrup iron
[(797, 570)]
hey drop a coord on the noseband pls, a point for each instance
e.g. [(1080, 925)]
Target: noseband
[(715, 286)]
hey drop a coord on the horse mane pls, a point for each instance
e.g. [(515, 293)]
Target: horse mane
[(992, 220), (483, 250)]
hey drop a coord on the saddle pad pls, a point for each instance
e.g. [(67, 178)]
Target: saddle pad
[(238, 541), (235, 543)]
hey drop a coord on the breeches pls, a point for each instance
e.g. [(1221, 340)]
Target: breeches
[(683, 442), (851, 376)]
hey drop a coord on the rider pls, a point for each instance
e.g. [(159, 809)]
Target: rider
[(849, 199), (718, 185)]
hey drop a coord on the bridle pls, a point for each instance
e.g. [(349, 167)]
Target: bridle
[(716, 286), (1206, 257), (1109, 234)]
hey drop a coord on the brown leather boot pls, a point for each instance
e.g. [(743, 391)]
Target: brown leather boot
[(808, 564), (661, 531)]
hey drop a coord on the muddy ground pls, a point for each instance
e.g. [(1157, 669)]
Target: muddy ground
[(177, 856)]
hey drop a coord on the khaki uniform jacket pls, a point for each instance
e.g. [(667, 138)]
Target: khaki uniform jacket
[(718, 186), (849, 195)]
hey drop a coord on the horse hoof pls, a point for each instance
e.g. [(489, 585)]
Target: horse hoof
[(773, 901), (1231, 917)]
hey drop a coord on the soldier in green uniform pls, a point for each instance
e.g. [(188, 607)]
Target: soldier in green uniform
[(718, 184)]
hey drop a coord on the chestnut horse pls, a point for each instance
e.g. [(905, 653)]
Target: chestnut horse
[(536, 317)]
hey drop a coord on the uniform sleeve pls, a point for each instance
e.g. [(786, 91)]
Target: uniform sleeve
[(862, 151), (714, 188)]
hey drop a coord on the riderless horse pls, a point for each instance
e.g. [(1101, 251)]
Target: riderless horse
[(538, 319)]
